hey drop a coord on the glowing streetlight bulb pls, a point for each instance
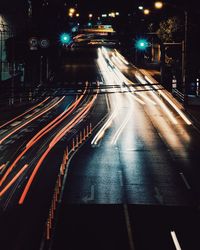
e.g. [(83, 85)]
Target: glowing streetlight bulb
[(158, 5), (72, 10), (146, 11)]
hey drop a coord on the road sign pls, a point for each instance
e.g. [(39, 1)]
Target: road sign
[(33, 43), (44, 43)]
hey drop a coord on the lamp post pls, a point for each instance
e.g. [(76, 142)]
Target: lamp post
[(159, 5), (2, 30)]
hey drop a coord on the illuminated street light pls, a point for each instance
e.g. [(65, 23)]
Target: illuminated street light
[(146, 11), (158, 5), (112, 14), (72, 10), (90, 15), (140, 7)]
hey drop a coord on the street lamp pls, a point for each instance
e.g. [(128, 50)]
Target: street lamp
[(159, 5), (146, 11)]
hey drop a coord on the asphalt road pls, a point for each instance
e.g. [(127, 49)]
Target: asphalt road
[(131, 183)]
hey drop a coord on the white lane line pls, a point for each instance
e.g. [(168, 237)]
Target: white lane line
[(128, 225), (175, 240), (185, 181), (91, 196), (120, 178)]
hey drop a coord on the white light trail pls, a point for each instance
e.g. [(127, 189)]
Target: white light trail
[(183, 116), (162, 105), (101, 132)]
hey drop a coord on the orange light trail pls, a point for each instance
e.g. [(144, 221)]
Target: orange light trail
[(60, 134), (28, 146), (32, 119), (55, 122), (8, 122), (13, 180), (39, 135)]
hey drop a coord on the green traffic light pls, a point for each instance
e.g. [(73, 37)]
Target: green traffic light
[(65, 38), (141, 44)]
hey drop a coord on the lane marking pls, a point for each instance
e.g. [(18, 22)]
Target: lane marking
[(128, 226), (185, 181), (158, 195), (91, 196), (175, 240), (120, 178)]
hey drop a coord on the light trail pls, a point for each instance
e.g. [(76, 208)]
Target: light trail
[(2, 166), (32, 119), (121, 57), (152, 81), (57, 138), (102, 130), (55, 122), (39, 135), (17, 117), (162, 105), (121, 128), (13, 180)]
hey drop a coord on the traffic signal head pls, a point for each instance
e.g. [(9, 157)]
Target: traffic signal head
[(141, 44), (65, 38)]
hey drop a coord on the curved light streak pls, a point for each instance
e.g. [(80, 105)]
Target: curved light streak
[(17, 117), (13, 180), (121, 128), (32, 119), (59, 135), (152, 81), (102, 130), (121, 57), (40, 134), (163, 106)]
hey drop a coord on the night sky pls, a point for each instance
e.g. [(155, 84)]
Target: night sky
[(99, 5)]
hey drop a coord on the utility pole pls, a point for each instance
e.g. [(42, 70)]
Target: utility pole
[(185, 72)]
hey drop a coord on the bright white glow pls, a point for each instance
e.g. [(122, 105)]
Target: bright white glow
[(183, 116), (102, 130), (175, 240), (146, 98), (146, 11), (121, 57), (121, 128), (158, 5), (163, 106)]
